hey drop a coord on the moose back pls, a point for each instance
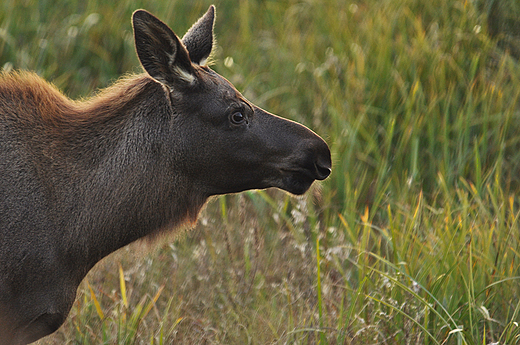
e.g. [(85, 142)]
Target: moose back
[(78, 180)]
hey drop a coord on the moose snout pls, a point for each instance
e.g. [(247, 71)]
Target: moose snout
[(315, 164), (316, 160)]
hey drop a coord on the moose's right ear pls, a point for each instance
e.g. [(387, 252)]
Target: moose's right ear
[(160, 51), (199, 38)]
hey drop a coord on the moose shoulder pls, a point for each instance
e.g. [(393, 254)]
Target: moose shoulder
[(78, 180)]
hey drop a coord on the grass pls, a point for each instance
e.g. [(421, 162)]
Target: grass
[(414, 239)]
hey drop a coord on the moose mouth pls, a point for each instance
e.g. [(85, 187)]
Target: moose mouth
[(296, 181), (299, 180)]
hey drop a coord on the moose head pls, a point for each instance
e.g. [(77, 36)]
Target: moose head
[(233, 145)]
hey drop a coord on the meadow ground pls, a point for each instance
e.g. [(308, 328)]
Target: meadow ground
[(414, 239)]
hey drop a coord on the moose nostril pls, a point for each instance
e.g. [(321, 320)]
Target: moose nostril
[(322, 170), (322, 161)]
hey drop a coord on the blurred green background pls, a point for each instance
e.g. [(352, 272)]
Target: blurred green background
[(414, 239)]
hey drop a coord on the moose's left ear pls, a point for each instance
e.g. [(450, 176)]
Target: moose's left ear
[(160, 51), (199, 38)]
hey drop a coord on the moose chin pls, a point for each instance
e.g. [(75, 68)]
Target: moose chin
[(78, 180)]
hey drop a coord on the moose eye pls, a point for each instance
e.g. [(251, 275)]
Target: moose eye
[(237, 118)]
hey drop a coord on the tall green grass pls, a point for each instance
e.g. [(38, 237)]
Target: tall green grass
[(414, 239)]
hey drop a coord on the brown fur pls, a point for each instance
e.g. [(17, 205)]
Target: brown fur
[(22, 91)]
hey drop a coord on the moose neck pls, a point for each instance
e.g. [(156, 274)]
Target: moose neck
[(122, 182)]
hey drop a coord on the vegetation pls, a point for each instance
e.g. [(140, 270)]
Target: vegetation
[(414, 239)]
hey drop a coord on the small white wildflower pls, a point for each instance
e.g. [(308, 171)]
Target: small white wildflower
[(416, 287)]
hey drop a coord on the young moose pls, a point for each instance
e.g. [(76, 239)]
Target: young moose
[(78, 180)]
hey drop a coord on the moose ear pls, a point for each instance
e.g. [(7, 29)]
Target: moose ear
[(199, 38), (160, 51)]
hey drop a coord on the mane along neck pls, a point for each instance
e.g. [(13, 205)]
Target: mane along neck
[(27, 97)]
